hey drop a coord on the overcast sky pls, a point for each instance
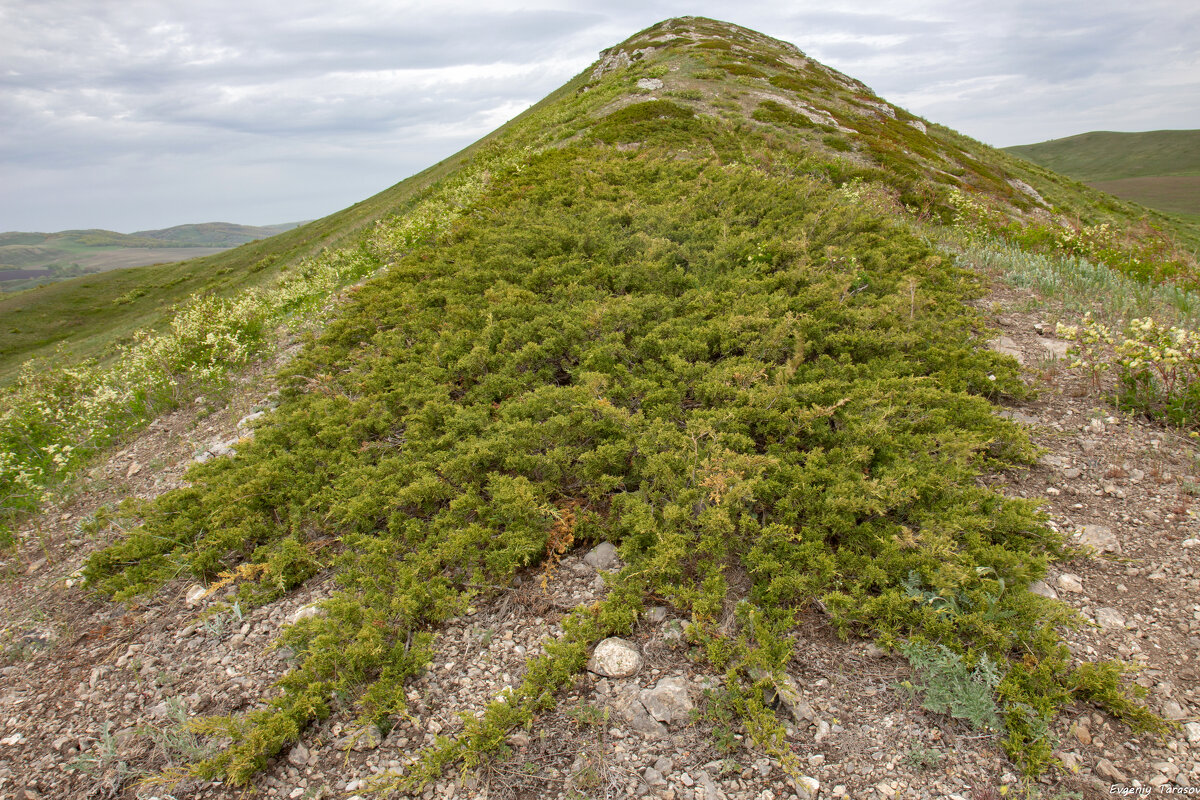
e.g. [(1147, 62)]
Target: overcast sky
[(137, 114)]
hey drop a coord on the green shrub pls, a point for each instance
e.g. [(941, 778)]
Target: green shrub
[(779, 114)]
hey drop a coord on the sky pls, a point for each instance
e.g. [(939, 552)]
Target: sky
[(140, 114)]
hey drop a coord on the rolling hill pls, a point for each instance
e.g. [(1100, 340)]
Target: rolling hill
[(705, 313), (37, 258), (1159, 169)]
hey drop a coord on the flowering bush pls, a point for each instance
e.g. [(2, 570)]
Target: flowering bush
[(1157, 366)]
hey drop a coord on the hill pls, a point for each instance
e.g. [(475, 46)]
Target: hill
[(649, 446), (1159, 169), (37, 258), (214, 234)]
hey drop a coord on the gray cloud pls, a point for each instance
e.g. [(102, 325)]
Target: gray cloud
[(149, 112)]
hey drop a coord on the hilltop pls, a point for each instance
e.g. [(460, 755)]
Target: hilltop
[(1159, 169), (703, 432)]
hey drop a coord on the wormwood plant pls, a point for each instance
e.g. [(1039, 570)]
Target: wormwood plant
[(709, 358)]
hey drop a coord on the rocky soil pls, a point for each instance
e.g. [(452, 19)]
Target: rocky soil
[(94, 696)]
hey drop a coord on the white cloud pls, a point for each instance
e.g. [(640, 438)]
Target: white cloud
[(141, 114)]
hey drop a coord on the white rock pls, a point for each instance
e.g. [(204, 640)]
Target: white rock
[(1190, 543), (1055, 348), (1192, 731), (807, 787), (668, 701), (1100, 537), (1110, 619), (649, 83), (1069, 582), (602, 557), (298, 756), (916, 123), (245, 421), (1173, 711), (195, 594), (1005, 346), (1043, 588), (307, 610), (615, 658)]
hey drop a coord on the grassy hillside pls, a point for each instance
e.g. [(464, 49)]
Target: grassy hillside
[(689, 304), (1108, 156), (1158, 169)]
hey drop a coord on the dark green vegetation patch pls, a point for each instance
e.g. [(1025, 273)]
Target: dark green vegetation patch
[(768, 396)]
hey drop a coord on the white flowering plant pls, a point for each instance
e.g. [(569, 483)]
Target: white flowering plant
[(1157, 366)]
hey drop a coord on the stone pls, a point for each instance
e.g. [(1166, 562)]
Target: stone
[(664, 765), (367, 737), (1055, 348), (668, 701), (1173, 711), (1019, 416), (653, 777), (787, 694), (1110, 619), (298, 756), (1025, 188), (1070, 582), (1042, 588), (245, 421), (519, 739), (1188, 544), (711, 792), (1005, 346), (1109, 772), (1082, 734), (306, 611), (1192, 731), (655, 615), (1070, 760), (615, 658), (649, 83), (807, 788), (602, 557), (916, 123), (1100, 537), (645, 724), (195, 594)]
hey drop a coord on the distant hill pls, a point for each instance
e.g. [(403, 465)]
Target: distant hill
[(214, 234), (1159, 169), (28, 259)]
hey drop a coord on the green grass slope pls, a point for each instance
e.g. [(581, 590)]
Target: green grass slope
[(1107, 155), (1158, 169), (685, 304)]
